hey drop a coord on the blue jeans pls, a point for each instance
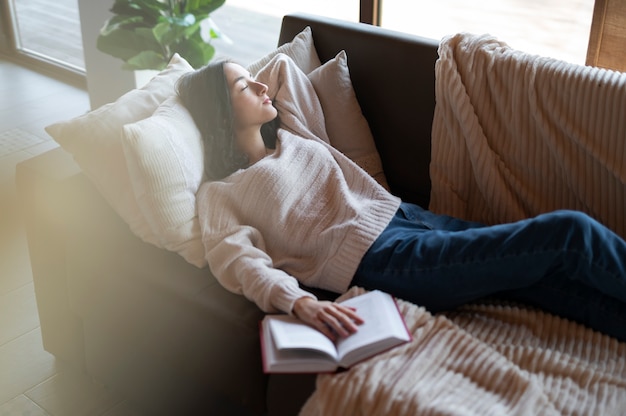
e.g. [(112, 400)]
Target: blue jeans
[(563, 262)]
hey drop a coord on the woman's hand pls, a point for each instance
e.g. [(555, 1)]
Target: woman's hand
[(330, 318)]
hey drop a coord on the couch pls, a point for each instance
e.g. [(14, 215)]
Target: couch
[(161, 331), (465, 126)]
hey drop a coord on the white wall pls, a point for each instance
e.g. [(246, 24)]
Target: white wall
[(106, 81)]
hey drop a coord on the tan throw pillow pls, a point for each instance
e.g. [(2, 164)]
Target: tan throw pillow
[(301, 50), (95, 141), (346, 126)]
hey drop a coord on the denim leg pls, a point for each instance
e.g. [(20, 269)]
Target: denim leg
[(440, 262), (577, 302)]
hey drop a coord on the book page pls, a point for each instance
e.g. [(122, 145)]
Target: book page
[(292, 360), (289, 333), (383, 327)]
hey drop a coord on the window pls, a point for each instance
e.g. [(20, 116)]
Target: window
[(253, 26), (555, 28), (48, 30)]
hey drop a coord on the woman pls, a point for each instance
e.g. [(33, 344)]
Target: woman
[(281, 209)]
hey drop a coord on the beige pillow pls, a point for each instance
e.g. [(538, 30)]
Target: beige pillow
[(165, 159), (95, 141), (301, 50), (346, 126)]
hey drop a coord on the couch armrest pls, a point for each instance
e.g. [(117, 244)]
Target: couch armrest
[(41, 187)]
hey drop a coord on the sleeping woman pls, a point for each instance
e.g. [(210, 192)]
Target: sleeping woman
[(281, 209)]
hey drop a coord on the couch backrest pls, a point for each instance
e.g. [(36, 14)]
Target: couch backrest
[(394, 80)]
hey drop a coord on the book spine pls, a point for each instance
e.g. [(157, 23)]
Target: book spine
[(263, 352)]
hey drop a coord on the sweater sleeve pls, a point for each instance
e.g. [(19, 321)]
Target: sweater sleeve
[(295, 98), (238, 260)]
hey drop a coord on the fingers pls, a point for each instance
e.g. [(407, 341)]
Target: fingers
[(338, 320), (326, 330), (332, 319), (351, 312)]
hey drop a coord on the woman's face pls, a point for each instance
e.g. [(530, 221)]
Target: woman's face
[(251, 105)]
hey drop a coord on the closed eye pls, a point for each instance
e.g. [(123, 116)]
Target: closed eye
[(242, 79)]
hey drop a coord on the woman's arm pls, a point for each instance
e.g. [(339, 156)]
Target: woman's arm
[(238, 260), (332, 319)]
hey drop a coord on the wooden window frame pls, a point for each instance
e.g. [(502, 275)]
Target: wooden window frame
[(369, 12), (607, 38)]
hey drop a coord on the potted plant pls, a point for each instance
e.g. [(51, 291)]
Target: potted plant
[(145, 34)]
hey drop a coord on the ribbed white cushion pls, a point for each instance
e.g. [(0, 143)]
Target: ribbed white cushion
[(164, 155)]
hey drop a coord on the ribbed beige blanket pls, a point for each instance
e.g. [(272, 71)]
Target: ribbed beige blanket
[(515, 135), (482, 360)]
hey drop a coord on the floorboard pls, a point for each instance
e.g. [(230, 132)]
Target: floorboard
[(24, 365)]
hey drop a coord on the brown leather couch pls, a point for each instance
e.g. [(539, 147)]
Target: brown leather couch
[(162, 332)]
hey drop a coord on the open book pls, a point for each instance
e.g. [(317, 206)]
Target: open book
[(291, 346)]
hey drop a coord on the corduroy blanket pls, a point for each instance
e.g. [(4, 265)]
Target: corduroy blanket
[(482, 360), (515, 135)]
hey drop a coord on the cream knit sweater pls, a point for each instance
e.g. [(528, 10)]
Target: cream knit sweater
[(305, 213)]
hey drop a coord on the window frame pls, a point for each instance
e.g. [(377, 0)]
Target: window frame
[(369, 12)]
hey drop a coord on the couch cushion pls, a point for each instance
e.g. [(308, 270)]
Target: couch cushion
[(346, 126)]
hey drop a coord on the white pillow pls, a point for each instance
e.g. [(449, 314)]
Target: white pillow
[(301, 50), (165, 159), (346, 126), (94, 139)]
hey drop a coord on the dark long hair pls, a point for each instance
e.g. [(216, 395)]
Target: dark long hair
[(206, 95)]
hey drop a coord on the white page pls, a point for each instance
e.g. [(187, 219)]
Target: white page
[(293, 361), (378, 311), (289, 332)]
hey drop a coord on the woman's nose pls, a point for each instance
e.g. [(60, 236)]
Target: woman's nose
[(261, 88)]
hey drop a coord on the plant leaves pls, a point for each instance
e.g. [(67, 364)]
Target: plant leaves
[(196, 53), (149, 32), (125, 44)]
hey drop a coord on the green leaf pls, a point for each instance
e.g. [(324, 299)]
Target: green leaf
[(196, 53), (204, 6), (117, 22), (153, 8), (186, 20), (125, 44), (149, 10), (146, 60)]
